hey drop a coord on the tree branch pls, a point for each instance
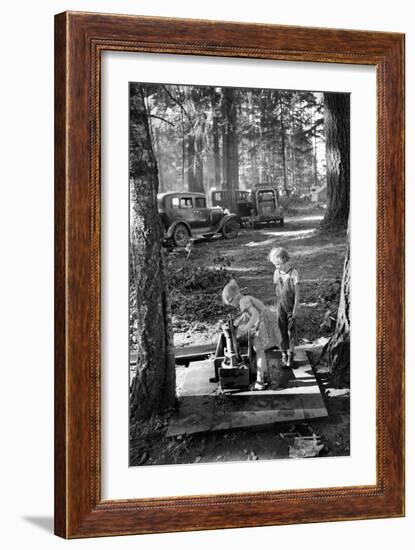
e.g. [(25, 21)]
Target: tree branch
[(177, 103), (161, 118)]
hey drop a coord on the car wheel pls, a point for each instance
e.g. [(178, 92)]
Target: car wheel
[(181, 235), (230, 229)]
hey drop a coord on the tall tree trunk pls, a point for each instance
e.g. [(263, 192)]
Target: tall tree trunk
[(159, 155), (283, 139), (191, 161), (253, 149), (198, 173), (292, 144), (314, 154), (272, 178), (230, 140), (254, 174), (261, 140), (153, 387), (283, 147), (337, 136), (216, 138), (224, 158), (337, 352), (183, 150)]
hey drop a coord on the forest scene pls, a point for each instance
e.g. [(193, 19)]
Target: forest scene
[(219, 178), (208, 138)]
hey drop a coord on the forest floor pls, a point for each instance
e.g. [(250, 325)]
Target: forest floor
[(197, 276)]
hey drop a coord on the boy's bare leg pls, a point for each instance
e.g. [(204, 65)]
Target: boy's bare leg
[(283, 324), (291, 337), (262, 367)]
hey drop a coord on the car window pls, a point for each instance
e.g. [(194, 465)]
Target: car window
[(265, 196), (200, 202), (186, 202), (175, 202)]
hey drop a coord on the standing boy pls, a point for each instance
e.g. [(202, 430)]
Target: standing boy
[(287, 290)]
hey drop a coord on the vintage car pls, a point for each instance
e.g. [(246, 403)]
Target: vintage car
[(235, 200), (253, 207), (185, 215), (266, 208)]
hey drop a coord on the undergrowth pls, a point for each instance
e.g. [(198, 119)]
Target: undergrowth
[(196, 289)]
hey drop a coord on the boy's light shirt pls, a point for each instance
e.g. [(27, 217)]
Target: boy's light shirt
[(283, 276)]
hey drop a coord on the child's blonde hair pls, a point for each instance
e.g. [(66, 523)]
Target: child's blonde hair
[(230, 291), (278, 252)]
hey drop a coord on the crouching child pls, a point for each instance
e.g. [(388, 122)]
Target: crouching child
[(261, 321)]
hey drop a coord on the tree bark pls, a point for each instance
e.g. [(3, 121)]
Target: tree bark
[(190, 161), (314, 153), (159, 155), (230, 140), (338, 348), (254, 174), (292, 145), (261, 145), (153, 387), (283, 154), (198, 172), (216, 138), (337, 136)]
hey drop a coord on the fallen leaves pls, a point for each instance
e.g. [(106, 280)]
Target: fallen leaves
[(305, 447)]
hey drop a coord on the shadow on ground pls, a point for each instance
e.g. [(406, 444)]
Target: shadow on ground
[(43, 522)]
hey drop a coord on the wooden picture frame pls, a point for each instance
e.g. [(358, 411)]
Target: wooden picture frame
[(79, 40)]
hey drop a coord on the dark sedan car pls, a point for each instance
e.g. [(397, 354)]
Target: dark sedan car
[(266, 207), (254, 207), (186, 215)]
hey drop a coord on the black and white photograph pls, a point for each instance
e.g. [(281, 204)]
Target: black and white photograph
[(239, 274)]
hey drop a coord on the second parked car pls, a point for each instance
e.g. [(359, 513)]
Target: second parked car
[(266, 207), (253, 207), (186, 215)]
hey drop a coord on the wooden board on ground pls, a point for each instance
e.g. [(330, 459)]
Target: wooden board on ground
[(185, 355), (292, 396)]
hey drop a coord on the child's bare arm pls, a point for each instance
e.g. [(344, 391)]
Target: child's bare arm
[(296, 299), (253, 320), (240, 319)]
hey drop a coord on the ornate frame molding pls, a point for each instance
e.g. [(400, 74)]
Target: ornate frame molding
[(79, 40)]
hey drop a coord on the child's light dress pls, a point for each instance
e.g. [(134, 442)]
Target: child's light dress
[(266, 333)]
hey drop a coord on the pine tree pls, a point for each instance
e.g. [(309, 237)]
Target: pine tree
[(153, 387)]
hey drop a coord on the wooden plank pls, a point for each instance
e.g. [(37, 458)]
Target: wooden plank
[(290, 390), (184, 355), (302, 370), (256, 419), (195, 352), (201, 413)]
